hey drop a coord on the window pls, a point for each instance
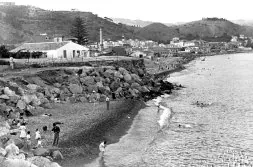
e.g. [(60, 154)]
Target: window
[(74, 53)]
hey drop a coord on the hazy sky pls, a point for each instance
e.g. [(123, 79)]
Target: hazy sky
[(167, 11)]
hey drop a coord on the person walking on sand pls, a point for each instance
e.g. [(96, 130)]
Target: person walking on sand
[(22, 131), (56, 131), (107, 102), (38, 138), (102, 148)]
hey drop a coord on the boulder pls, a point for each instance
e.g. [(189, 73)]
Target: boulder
[(135, 85), (108, 90), (109, 73), (117, 74), (144, 89), (140, 72), (123, 71), (21, 104), (84, 74), (33, 87), (87, 80), (114, 85), (57, 85), (47, 92), (16, 163), (29, 98), (4, 128), (102, 98), (107, 80), (119, 90), (98, 79), (90, 88), (83, 99), (5, 97), (127, 77), (57, 155), (74, 79), (135, 77), (55, 91), (41, 152), (99, 84), (40, 95), (9, 92), (39, 161), (126, 85), (14, 99), (75, 89)]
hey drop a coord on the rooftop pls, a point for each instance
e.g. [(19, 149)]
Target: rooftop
[(43, 46)]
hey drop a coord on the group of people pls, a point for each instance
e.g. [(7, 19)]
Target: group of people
[(25, 135)]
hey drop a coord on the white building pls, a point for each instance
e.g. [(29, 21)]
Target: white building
[(66, 49)]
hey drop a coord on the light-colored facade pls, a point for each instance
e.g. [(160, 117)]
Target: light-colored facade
[(67, 50)]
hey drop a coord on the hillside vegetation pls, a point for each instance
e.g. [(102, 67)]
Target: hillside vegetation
[(26, 24)]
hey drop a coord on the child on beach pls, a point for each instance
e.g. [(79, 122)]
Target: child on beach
[(102, 147), (38, 138), (22, 131)]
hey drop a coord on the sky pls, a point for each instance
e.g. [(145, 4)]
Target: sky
[(166, 11)]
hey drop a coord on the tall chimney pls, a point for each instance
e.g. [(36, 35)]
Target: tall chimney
[(101, 40)]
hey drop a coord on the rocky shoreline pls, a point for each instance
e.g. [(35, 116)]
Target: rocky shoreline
[(33, 94)]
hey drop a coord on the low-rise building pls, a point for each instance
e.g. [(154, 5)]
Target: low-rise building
[(65, 49)]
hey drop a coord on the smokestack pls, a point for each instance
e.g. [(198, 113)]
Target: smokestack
[(101, 40)]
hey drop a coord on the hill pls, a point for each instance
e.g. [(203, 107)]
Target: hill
[(138, 23), (213, 27), (210, 29), (158, 32), (27, 23)]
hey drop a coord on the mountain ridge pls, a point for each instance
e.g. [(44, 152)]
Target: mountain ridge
[(26, 24)]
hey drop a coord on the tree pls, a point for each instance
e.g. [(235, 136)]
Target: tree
[(4, 53), (79, 31)]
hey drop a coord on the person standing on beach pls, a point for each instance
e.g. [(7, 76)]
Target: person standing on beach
[(102, 148), (56, 131), (11, 62), (22, 131), (107, 102), (38, 138)]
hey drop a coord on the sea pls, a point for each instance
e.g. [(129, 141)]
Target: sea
[(212, 124)]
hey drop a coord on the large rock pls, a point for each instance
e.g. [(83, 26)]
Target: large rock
[(127, 77), (4, 128), (14, 99), (109, 73), (99, 84), (21, 105), (9, 92), (57, 155), (75, 89), (126, 85), (136, 86), (33, 87), (135, 77), (123, 71), (39, 161), (74, 79), (55, 91), (41, 152), (90, 88), (87, 80), (16, 163), (29, 98), (114, 85), (117, 74), (5, 97)]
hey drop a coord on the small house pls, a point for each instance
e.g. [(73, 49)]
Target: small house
[(63, 49)]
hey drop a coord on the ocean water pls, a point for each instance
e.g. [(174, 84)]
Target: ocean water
[(218, 134)]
